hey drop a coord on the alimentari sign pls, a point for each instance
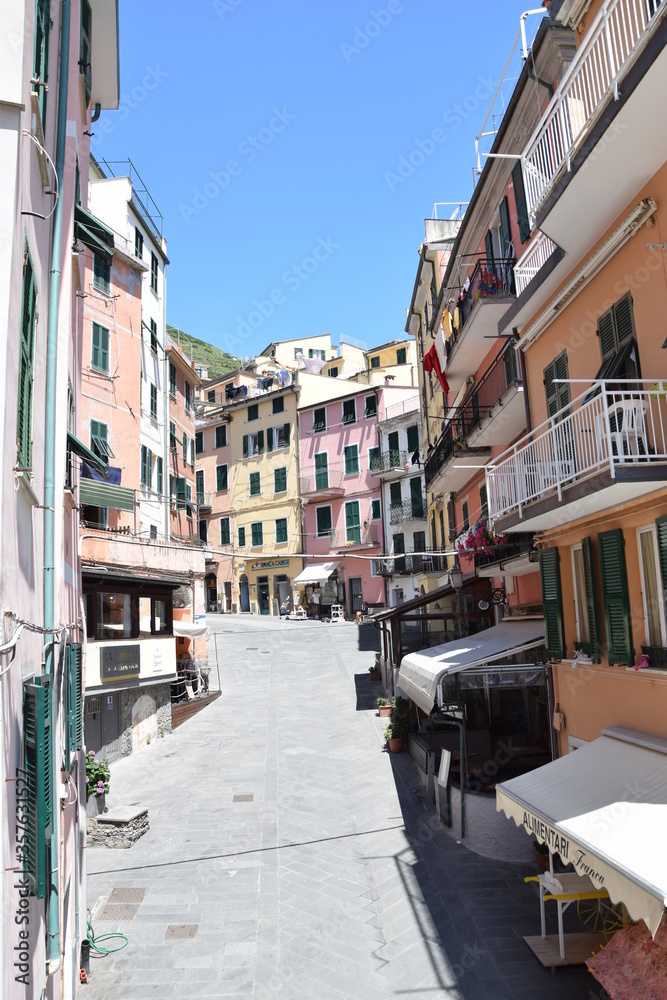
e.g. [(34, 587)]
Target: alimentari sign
[(269, 564), (119, 663), (570, 853)]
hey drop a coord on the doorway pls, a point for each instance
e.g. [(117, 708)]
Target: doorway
[(102, 725), (211, 592), (244, 594), (356, 594), (263, 595)]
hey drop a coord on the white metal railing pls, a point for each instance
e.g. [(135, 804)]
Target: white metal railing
[(400, 409), (599, 63), (603, 428), (532, 260)]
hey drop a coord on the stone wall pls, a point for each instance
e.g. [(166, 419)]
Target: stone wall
[(145, 714)]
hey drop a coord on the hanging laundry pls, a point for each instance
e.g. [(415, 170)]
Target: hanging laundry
[(432, 364), (456, 320), (441, 349), (415, 457), (447, 323)]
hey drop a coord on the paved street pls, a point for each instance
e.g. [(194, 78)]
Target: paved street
[(303, 854)]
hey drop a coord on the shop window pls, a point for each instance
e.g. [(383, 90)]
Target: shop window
[(114, 616)]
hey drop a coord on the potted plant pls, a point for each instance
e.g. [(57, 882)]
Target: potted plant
[(541, 855), (384, 708), (98, 777), (374, 672), (395, 736)]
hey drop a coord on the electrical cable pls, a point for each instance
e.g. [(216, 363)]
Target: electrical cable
[(94, 942), (55, 173)]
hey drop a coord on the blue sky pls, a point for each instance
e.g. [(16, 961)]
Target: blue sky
[(291, 150)]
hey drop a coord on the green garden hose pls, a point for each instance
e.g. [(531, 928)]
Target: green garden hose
[(94, 943)]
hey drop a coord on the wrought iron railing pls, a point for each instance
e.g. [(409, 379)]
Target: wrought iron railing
[(387, 461), (501, 375), (410, 563), (413, 509)]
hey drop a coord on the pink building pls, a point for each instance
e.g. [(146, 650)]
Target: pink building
[(342, 497)]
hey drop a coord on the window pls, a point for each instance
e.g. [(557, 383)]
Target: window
[(253, 444), (483, 500), (200, 486), (253, 412), (153, 329), (333, 371), (618, 345), (145, 466), (465, 515), (210, 395), (221, 436), (101, 274), (221, 481), (505, 234), (26, 358), (203, 530), (172, 436), (375, 362), (616, 597), (138, 243), (280, 480), (281, 529), (85, 48), (277, 437), (297, 352), (185, 448), (419, 541), (225, 536), (314, 352), (584, 600), (653, 601), (351, 453), (160, 474), (352, 522), (241, 536), (321, 470), (100, 353), (192, 452), (413, 438), (349, 411), (552, 603), (257, 533), (376, 510), (199, 442), (172, 379), (188, 395), (417, 497), (324, 521), (395, 496), (371, 406), (319, 420), (278, 404), (153, 401), (520, 202), (401, 356), (98, 440), (154, 272), (40, 66), (557, 392), (255, 488), (374, 461)]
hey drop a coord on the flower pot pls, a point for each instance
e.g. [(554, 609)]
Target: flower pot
[(375, 674), (396, 746), (542, 860), (95, 805), (385, 711)]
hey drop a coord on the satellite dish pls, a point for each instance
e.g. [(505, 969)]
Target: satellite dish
[(483, 605)]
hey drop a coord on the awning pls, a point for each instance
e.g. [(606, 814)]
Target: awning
[(190, 630), (421, 672), (603, 808), (93, 234), (80, 449), (97, 494), (317, 572)]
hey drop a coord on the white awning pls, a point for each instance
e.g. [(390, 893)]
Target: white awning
[(191, 631), (421, 672), (603, 808), (317, 572)]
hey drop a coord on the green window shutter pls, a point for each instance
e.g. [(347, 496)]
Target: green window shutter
[(241, 538), (607, 335), (74, 698), (416, 496), (352, 522), (199, 478), (557, 393), (661, 529), (185, 447), (26, 357), (321, 471), (591, 604), (224, 531), (220, 436), (505, 234), (220, 477), (520, 201), (260, 442), (257, 533), (254, 484), (181, 492), (488, 246), (160, 475), (552, 602), (281, 529), (269, 439), (323, 518), (399, 543), (280, 480), (100, 352), (624, 319), (286, 434), (395, 494), (617, 614), (374, 461), (413, 438), (37, 766), (245, 445), (144, 475), (351, 459)]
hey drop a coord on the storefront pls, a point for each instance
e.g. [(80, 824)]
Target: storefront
[(265, 584), (319, 587)]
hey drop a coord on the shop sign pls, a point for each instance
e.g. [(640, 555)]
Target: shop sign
[(269, 564), (119, 663), (570, 853)]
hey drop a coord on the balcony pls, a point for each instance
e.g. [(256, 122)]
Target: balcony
[(360, 537), (495, 407), (204, 502), (397, 410), (452, 462), (413, 509), (323, 485), (389, 464), (410, 564), (489, 294), (535, 257), (605, 101), (608, 447)]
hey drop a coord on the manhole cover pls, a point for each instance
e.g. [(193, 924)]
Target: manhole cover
[(118, 912), (127, 895), (243, 798), (181, 932), (251, 648)]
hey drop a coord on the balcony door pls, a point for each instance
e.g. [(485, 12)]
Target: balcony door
[(558, 397), (321, 471), (394, 454), (416, 498)]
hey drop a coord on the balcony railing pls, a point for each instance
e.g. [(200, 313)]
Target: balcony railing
[(347, 538), (410, 563), (413, 509), (533, 259), (388, 461), (618, 29), (489, 280), (400, 409), (204, 500), (603, 428), (501, 375), (516, 545), (320, 482)]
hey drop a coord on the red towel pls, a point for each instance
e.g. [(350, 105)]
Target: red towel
[(432, 364)]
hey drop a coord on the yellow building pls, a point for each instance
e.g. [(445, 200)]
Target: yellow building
[(264, 453)]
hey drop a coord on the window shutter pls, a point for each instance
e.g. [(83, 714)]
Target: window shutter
[(37, 737), (488, 246), (286, 435), (607, 334), (260, 442), (661, 528), (245, 445), (617, 615), (505, 236), (552, 601), (269, 439), (557, 393), (624, 320), (520, 200), (413, 438), (74, 698), (591, 604)]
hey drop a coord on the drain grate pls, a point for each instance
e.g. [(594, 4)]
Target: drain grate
[(243, 798), (181, 932), (127, 895), (118, 912), (251, 648)]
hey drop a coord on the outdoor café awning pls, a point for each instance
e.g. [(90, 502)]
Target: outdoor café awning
[(603, 808), (421, 672), (317, 572), (191, 630)]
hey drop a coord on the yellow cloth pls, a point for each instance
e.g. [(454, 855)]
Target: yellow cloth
[(457, 319), (447, 324)]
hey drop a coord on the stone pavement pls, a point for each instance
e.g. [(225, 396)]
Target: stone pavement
[(302, 853)]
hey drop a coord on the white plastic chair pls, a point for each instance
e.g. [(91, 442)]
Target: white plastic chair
[(628, 433)]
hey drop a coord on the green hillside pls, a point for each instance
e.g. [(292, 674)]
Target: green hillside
[(219, 362)]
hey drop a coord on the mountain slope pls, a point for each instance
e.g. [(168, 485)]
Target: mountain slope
[(219, 362)]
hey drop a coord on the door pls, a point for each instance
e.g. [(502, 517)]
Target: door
[(394, 454), (110, 711), (395, 503), (203, 531), (263, 594), (93, 724), (228, 596), (356, 594), (416, 497), (244, 594), (321, 471), (399, 548)]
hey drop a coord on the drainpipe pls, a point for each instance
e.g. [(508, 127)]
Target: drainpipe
[(524, 382), (50, 474)]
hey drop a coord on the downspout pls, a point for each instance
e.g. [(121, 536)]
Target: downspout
[(50, 473)]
